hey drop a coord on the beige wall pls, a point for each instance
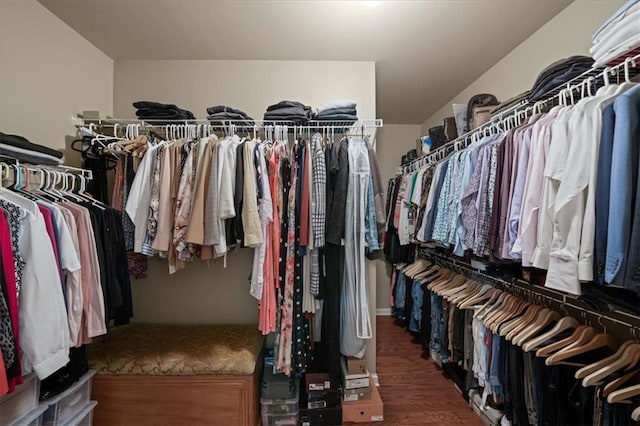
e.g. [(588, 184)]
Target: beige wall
[(214, 294), (567, 34), (48, 74), (393, 141)]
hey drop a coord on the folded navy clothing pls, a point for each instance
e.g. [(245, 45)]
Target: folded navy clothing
[(226, 109), (288, 104), (219, 116), (151, 114), (24, 143), (153, 105), (157, 111), (298, 119), (29, 156), (557, 74)]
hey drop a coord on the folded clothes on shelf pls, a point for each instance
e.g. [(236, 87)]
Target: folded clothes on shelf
[(288, 111), (21, 149), (557, 74), (147, 110)]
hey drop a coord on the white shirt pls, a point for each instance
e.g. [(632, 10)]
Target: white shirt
[(571, 251), (140, 196), (44, 333)]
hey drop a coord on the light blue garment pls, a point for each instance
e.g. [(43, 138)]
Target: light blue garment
[(400, 292), (494, 368), (370, 224), (469, 161), (437, 327), (441, 223), (622, 189), (430, 214), (513, 221), (417, 294), (602, 193), (613, 17)]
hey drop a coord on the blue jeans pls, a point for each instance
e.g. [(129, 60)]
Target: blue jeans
[(437, 327), (416, 311)]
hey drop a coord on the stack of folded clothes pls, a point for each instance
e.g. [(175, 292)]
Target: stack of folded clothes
[(222, 113), (288, 111), (337, 110), (22, 150), (158, 112), (557, 74), (619, 36)]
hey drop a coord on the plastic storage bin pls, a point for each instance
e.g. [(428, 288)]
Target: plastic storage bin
[(32, 418), (69, 403), (21, 401), (84, 417), (280, 419), (279, 406)]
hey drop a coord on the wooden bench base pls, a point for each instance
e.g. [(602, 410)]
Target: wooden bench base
[(177, 400)]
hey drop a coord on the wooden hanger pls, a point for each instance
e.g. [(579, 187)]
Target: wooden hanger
[(624, 361), (456, 284), (585, 371), (624, 394), (617, 383), (514, 313), (563, 324), (466, 287), (512, 309), (448, 281), (473, 288), (493, 303), (485, 293), (441, 280), (581, 335), (433, 269), (542, 320), (530, 312), (600, 340), (497, 294)]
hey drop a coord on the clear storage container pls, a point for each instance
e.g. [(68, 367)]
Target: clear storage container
[(84, 417), (32, 418), (21, 401), (279, 406), (69, 403), (280, 419)]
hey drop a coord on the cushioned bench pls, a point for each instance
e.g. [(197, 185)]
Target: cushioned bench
[(177, 375)]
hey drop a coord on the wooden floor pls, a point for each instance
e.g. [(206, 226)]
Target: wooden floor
[(413, 389)]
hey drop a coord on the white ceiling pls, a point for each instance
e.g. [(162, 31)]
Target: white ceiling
[(425, 51)]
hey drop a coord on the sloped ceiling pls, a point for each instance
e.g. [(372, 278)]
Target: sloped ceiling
[(425, 51)]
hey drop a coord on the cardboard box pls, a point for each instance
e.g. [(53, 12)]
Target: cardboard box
[(356, 366), (357, 394), (353, 381), (364, 411)]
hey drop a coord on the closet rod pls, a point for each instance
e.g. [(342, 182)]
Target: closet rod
[(528, 291), (630, 65), (245, 124)]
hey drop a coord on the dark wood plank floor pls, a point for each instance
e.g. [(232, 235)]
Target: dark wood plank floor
[(413, 389)]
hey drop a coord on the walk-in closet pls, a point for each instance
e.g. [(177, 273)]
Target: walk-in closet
[(319, 213)]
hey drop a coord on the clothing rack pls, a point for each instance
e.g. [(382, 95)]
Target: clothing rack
[(588, 81), (626, 326), (257, 125), (57, 173)]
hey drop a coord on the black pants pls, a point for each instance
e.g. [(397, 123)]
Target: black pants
[(334, 258)]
